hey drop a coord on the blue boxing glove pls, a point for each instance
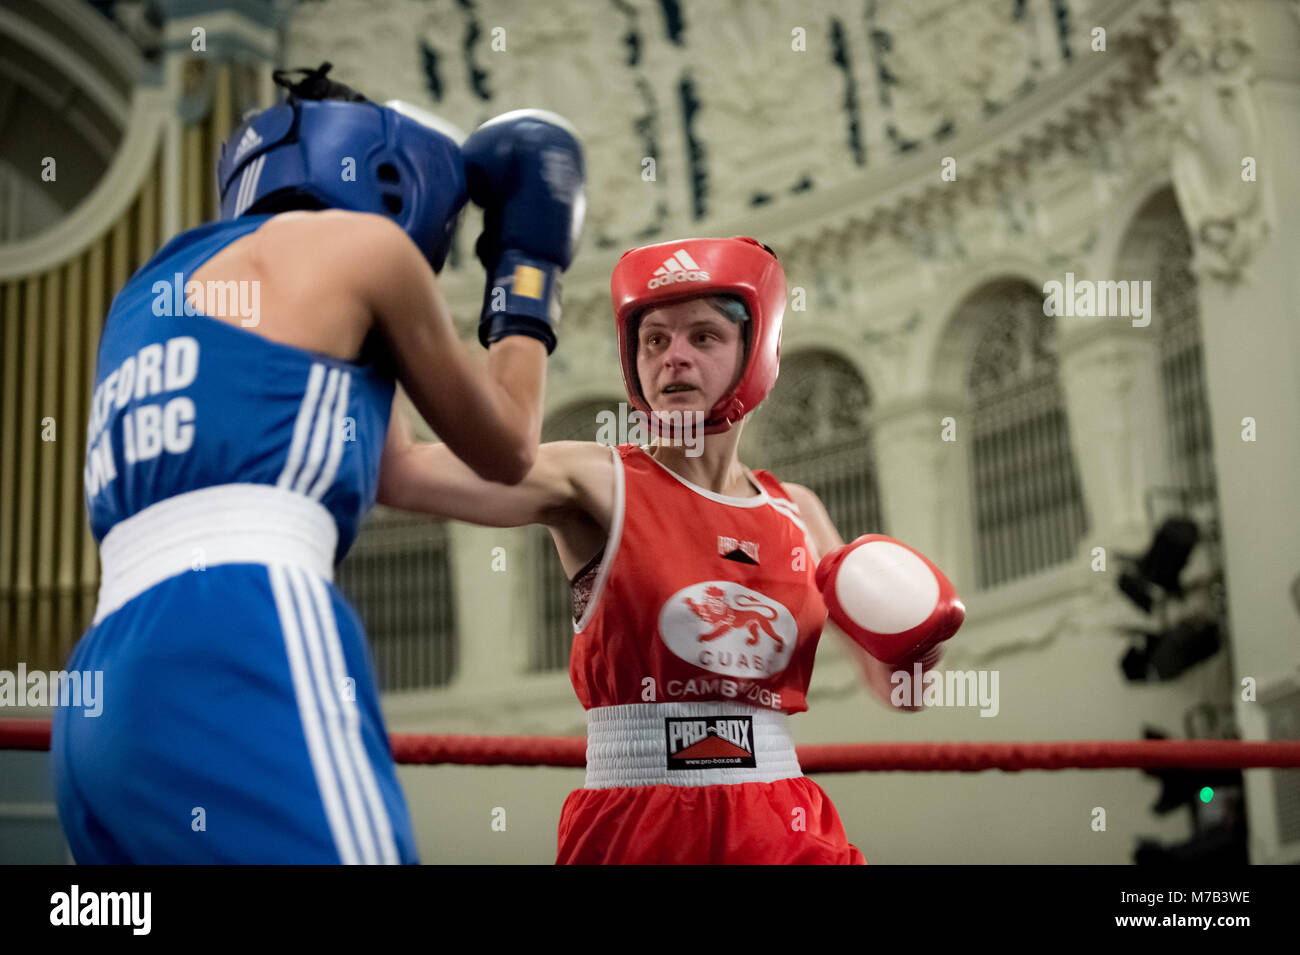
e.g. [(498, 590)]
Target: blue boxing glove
[(525, 169)]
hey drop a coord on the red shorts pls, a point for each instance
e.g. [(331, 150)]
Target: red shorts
[(740, 824)]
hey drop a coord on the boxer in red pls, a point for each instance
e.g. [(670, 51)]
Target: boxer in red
[(700, 587)]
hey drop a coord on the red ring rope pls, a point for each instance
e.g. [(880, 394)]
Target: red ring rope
[(571, 751)]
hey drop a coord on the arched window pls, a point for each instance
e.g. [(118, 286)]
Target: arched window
[(1158, 246), (811, 431), (548, 648), (1027, 502), (398, 577)]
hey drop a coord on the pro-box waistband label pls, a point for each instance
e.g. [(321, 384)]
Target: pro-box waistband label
[(708, 742)]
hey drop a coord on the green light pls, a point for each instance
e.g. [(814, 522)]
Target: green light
[(1206, 794)]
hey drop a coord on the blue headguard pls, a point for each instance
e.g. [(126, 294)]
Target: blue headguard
[(336, 149)]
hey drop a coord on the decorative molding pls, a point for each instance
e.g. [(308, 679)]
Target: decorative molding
[(753, 87), (1023, 137), (108, 97), (112, 195), (920, 413), (1204, 94), (110, 44), (1058, 586), (269, 14)]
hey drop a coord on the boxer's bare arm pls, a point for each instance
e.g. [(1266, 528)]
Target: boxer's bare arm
[(328, 278), (570, 479), (492, 422), (823, 536)]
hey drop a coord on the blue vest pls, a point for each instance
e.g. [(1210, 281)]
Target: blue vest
[(184, 401)]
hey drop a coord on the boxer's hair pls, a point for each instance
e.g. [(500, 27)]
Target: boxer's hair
[(314, 85), (732, 307)]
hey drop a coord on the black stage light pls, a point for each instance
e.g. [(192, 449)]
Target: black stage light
[(1186, 644), (1137, 590), (1168, 554), (1161, 564), (1210, 794), (1137, 662), (1222, 845)]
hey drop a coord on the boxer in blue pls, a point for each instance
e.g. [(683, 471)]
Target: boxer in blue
[(245, 382)]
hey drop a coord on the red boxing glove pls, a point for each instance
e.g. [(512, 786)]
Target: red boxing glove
[(890, 599)]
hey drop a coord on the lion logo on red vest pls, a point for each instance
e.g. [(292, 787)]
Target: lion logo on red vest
[(743, 612), (727, 628)]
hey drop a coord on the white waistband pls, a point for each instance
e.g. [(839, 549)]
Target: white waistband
[(629, 745), (225, 524)]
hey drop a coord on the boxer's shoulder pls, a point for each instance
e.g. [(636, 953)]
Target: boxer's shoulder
[(331, 235), (821, 530), (321, 252), (581, 462), (587, 470), (580, 528), (802, 498), (313, 275)]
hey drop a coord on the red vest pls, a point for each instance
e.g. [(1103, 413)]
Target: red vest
[(698, 597)]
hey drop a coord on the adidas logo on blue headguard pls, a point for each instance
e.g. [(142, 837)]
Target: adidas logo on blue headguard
[(247, 142), (328, 147)]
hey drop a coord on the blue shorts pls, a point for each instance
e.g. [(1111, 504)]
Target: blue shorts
[(239, 724)]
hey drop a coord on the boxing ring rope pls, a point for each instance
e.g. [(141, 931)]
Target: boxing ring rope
[(571, 751)]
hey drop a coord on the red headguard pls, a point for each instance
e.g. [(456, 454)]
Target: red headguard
[(668, 272)]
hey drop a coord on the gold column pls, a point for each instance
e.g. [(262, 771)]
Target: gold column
[(44, 464), (72, 436), (120, 267), (146, 222), (92, 320), (221, 125), (10, 375), (192, 166), (28, 434)]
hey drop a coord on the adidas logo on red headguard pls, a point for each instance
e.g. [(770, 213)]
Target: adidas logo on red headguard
[(678, 267)]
